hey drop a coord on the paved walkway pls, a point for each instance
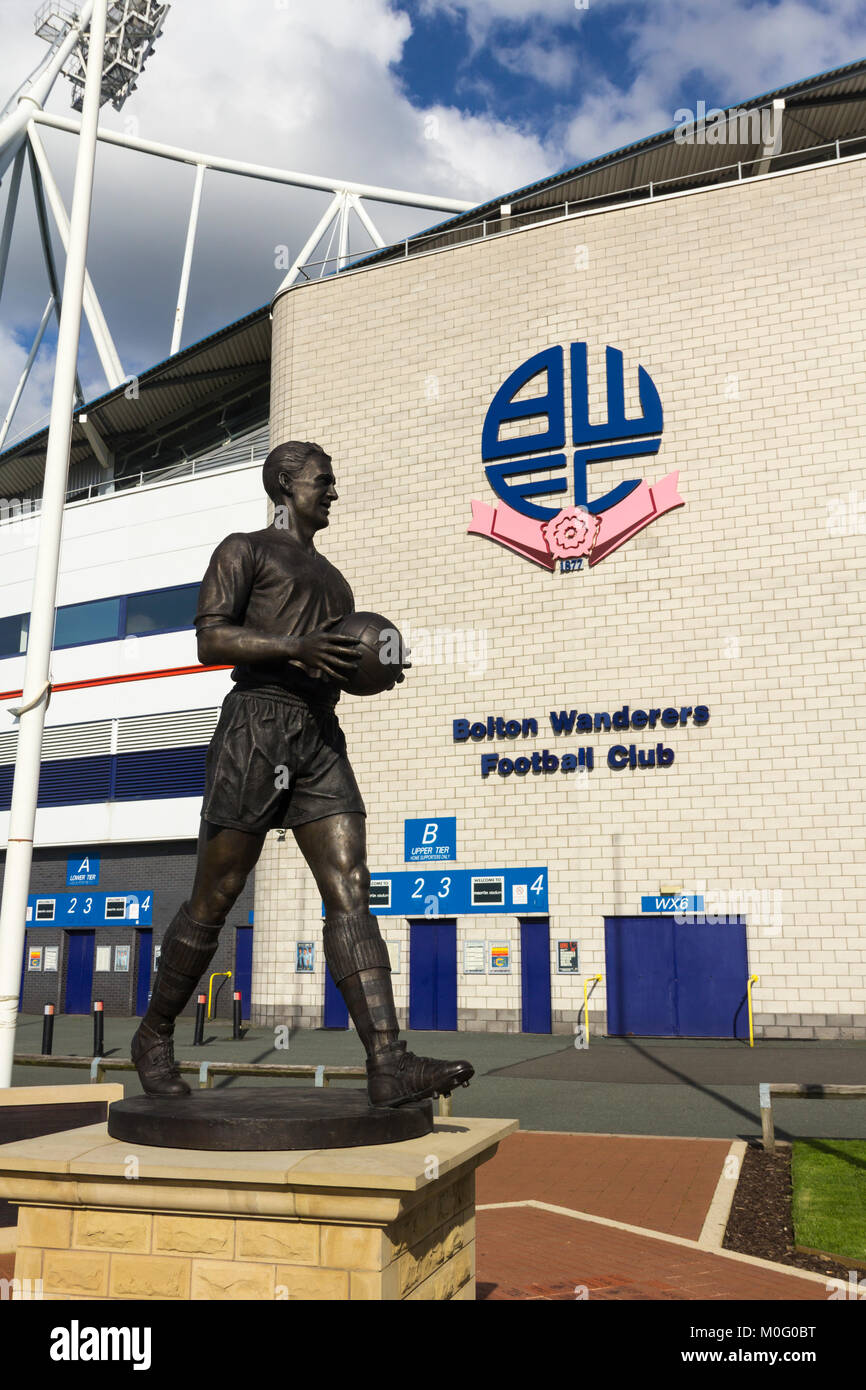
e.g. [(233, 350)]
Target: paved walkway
[(573, 1216), (663, 1184), (617, 1086)]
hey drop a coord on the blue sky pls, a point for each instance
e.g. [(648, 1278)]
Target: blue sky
[(469, 100)]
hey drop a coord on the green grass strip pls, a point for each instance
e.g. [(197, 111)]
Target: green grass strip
[(829, 1204)]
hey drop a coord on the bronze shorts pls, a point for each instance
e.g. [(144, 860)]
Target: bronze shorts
[(275, 761)]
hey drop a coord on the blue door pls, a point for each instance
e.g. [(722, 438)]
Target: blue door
[(244, 967), (433, 975), (676, 979), (535, 976), (79, 972), (142, 968), (336, 1013)]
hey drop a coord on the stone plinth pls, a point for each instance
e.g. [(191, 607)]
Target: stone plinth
[(100, 1218)]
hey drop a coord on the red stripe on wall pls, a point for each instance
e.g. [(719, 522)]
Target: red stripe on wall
[(119, 680)]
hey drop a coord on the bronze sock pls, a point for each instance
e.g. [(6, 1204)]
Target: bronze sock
[(188, 948)]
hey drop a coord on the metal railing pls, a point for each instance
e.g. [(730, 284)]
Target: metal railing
[(649, 191), (206, 1071), (109, 487)]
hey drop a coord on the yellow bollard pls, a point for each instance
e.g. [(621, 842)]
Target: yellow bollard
[(586, 1003), (753, 980), (216, 975)]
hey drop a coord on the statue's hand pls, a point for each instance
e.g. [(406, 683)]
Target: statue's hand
[(331, 652), (407, 666)]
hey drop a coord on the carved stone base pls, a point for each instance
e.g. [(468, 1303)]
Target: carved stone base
[(101, 1219)]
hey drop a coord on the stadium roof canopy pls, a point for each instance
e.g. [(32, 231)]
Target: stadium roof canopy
[(200, 396), (818, 112)]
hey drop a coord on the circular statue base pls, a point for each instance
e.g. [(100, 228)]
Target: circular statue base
[(255, 1119)]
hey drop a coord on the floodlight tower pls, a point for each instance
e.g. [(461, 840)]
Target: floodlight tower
[(102, 61)]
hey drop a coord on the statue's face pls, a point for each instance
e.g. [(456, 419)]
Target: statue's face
[(313, 491)]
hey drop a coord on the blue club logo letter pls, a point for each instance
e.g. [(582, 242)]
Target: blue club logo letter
[(520, 480)]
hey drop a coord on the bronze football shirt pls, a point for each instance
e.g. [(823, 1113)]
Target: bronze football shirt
[(267, 581)]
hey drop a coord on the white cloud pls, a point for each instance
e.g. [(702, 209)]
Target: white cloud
[(551, 63)]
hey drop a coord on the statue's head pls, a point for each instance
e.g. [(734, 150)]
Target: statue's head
[(285, 463), (298, 479)]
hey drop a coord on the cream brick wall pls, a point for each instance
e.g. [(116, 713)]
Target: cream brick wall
[(745, 304)]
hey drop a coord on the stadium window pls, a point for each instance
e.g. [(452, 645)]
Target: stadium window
[(79, 623), (11, 641), (45, 909), (161, 610)]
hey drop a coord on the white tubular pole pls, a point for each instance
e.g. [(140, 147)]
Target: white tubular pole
[(183, 292), (22, 820), (264, 171), (9, 216), (312, 241), (103, 341), (366, 219), (31, 358), (13, 129), (344, 232)]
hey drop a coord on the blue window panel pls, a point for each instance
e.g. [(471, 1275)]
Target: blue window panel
[(87, 622), (75, 781), (161, 610), (10, 636), (164, 772)]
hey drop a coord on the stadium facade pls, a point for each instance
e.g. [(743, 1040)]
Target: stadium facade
[(599, 449)]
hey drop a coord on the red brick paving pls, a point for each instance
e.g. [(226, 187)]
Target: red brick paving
[(662, 1184), (525, 1254)]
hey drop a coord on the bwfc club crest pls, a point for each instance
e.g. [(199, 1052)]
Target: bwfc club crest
[(528, 470)]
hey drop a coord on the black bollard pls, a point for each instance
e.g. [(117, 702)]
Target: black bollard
[(47, 1030), (198, 1035), (236, 1014), (98, 1029)]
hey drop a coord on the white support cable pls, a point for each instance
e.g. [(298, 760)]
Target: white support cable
[(22, 382), (335, 223), (367, 220), (183, 292), (9, 215), (312, 242), (103, 341), (263, 171), (22, 818)]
